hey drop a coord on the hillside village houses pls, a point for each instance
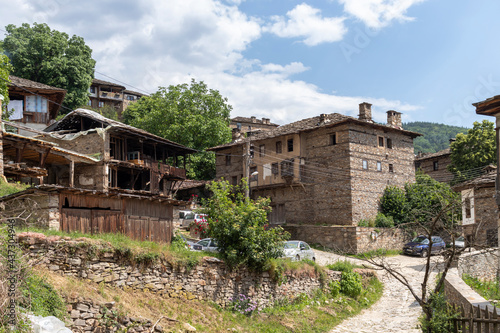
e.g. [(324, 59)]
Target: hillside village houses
[(324, 174), (93, 174)]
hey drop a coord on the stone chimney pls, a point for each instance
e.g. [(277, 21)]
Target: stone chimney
[(254, 119), (322, 118), (394, 119), (236, 134), (365, 112)]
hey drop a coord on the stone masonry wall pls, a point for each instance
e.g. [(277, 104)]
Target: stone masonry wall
[(479, 264), (91, 142), (485, 228), (348, 239), (209, 280)]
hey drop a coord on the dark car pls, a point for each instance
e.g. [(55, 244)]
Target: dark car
[(420, 246)]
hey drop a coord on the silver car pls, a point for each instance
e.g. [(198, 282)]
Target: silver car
[(298, 250), (206, 244)]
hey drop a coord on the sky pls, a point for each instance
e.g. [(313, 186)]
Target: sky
[(289, 60)]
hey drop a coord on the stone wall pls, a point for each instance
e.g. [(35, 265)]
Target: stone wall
[(457, 292), (209, 280), (348, 239), (479, 264), (485, 228)]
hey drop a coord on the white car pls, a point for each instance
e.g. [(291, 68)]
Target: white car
[(206, 244), (460, 242), (298, 250)]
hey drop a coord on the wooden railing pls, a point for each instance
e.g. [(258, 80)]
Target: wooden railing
[(477, 320)]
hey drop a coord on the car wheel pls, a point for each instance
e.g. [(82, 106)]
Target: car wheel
[(297, 258), (424, 253)]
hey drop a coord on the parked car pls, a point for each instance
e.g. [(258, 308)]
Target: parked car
[(298, 250), (420, 246), (459, 242), (187, 217), (206, 244), (189, 244)]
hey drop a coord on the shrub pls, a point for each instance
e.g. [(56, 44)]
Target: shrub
[(382, 221), (238, 225), (41, 298), (334, 288), (244, 305), (350, 284), (363, 223), (342, 266), (442, 315)]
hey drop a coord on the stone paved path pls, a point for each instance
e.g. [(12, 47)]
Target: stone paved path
[(397, 310)]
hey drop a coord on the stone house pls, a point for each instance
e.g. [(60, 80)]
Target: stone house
[(329, 170), (251, 125), (104, 93), (435, 165), (96, 174), (479, 210), (33, 104)]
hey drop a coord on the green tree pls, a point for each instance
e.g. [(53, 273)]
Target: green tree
[(435, 137), (191, 115), (473, 150), (238, 224), (5, 69), (394, 203), (51, 57)]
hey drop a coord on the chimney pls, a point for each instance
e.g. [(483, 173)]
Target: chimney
[(254, 120), (322, 118), (263, 121), (365, 112), (394, 119), (236, 134)]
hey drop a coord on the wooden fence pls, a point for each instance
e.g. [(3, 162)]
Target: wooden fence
[(476, 320)]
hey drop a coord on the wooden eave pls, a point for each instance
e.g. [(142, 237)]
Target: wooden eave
[(488, 107)]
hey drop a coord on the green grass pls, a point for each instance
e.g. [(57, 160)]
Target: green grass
[(490, 290), (11, 188), (377, 253), (343, 266)]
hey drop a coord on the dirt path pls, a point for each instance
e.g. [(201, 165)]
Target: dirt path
[(397, 310)]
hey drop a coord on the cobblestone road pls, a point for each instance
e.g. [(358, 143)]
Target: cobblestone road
[(397, 310)]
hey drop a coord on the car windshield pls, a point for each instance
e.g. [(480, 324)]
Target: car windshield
[(291, 245), (189, 216), (421, 240), (204, 242), (460, 239)]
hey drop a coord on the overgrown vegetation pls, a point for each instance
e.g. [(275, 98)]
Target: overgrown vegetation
[(41, 298), (442, 315), (238, 224), (11, 188), (490, 290)]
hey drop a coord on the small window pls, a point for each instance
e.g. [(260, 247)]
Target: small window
[(380, 141), (228, 159), (287, 168), (262, 150), (417, 166), (89, 103), (365, 164), (379, 166), (101, 104), (251, 151), (389, 143), (274, 169), (391, 168), (333, 139), (238, 126), (467, 208), (92, 90), (290, 144), (436, 165), (278, 147), (234, 180), (252, 171)]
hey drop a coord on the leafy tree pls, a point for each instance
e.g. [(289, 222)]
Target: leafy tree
[(420, 201), (238, 224), (5, 69), (191, 115), (473, 150), (435, 137), (51, 57)]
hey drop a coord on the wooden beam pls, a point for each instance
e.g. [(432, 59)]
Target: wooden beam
[(72, 173)]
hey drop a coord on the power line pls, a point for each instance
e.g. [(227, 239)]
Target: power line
[(122, 82)]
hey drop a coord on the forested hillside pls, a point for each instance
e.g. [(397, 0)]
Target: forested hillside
[(435, 137)]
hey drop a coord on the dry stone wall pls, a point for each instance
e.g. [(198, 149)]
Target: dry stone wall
[(209, 280), (479, 264)]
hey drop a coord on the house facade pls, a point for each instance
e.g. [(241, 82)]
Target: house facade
[(33, 104), (435, 165), (329, 170), (479, 210), (104, 93), (252, 124)]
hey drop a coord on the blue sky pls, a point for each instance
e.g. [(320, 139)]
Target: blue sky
[(288, 60)]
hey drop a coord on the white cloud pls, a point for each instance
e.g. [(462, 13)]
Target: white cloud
[(379, 13), (306, 22)]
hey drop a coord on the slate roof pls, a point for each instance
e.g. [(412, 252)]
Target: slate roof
[(440, 153), (486, 180), (28, 84), (131, 92), (249, 120), (309, 124), (107, 83), (72, 120)]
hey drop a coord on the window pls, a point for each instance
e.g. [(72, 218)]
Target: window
[(287, 168), (380, 141), (290, 144), (89, 103), (36, 104), (262, 150), (436, 166), (101, 104), (467, 208), (251, 151), (379, 166), (253, 170), (365, 164), (274, 169), (130, 98), (417, 166), (333, 139), (92, 90), (228, 159), (389, 143), (234, 180), (278, 147), (391, 168), (238, 126)]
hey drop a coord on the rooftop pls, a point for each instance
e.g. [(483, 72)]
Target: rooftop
[(28, 84), (426, 156), (107, 83)]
